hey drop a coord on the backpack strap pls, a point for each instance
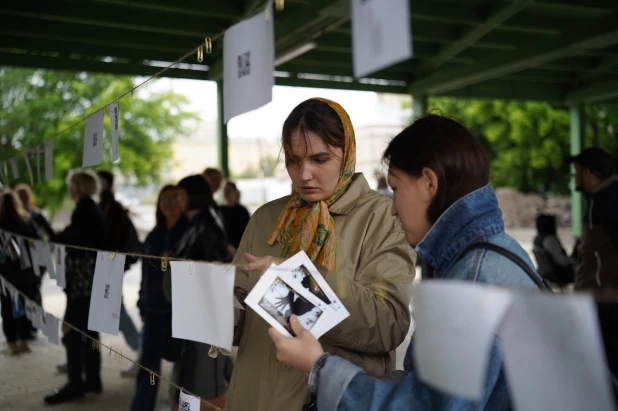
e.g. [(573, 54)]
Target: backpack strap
[(538, 280)]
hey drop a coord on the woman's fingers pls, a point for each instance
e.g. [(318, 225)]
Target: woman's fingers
[(250, 257), (296, 326)]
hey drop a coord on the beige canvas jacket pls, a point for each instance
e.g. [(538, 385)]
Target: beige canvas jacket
[(375, 267)]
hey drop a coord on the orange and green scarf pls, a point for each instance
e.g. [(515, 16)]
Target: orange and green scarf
[(309, 226)]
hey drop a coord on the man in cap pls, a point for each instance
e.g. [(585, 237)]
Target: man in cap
[(595, 177)]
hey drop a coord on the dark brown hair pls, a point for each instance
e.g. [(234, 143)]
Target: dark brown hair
[(159, 216), (313, 116), (11, 208), (446, 147)]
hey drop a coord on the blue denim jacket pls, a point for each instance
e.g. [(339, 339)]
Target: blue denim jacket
[(473, 218)]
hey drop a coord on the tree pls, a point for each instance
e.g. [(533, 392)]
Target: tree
[(37, 105), (527, 141)]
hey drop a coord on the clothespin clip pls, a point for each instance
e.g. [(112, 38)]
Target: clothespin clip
[(163, 264), (152, 378), (267, 12), (112, 256), (110, 350), (191, 268), (132, 92), (279, 4), (208, 45), (200, 54), (120, 356)]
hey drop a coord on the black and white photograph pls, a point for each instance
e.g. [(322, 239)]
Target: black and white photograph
[(304, 277), (281, 301)]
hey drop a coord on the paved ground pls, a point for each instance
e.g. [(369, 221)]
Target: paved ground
[(24, 380)]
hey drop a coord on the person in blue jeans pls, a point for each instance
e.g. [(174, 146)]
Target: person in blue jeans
[(155, 309), (439, 174)]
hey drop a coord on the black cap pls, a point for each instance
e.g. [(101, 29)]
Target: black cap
[(597, 160)]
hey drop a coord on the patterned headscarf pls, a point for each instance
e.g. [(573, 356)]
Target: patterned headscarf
[(309, 226)]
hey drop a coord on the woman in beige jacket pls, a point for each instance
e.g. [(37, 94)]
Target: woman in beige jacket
[(348, 231)]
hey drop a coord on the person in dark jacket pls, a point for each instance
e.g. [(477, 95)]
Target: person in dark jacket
[(43, 228), (205, 240), (235, 216), (553, 263), (15, 219), (86, 230), (155, 309), (595, 177)]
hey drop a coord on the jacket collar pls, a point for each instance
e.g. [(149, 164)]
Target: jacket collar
[(605, 184), (349, 199), (466, 221)]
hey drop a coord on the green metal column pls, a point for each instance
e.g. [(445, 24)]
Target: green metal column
[(419, 105), (222, 133), (578, 127)]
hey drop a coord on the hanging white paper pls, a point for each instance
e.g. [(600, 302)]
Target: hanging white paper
[(34, 257), (248, 65), (553, 354), (49, 160), (188, 402), (29, 169), (456, 322), (106, 297), (93, 140), (14, 168), (44, 258), (207, 289), (60, 273), (51, 327), (114, 111), (381, 34)]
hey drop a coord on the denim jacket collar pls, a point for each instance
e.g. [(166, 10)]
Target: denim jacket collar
[(466, 221)]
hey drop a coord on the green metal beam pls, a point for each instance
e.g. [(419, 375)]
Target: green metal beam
[(594, 94), (295, 67), (337, 85), (509, 90), (478, 32), (113, 17), (69, 64), (578, 128), (219, 9), (222, 140), (603, 34)]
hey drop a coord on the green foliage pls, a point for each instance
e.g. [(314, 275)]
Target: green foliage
[(527, 141), (37, 105)]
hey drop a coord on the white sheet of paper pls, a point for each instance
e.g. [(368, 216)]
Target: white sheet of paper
[(456, 324), (37, 319), (207, 289), (275, 298), (49, 159), (106, 298), (248, 64), (24, 255), (381, 34), (188, 402), (302, 271), (34, 257), (93, 140), (51, 330), (60, 267), (3, 286), (29, 169), (553, 354), (14, 168), (44, 257), (114, 112)]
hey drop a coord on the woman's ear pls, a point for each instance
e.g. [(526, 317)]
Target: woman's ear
[(430, 180)]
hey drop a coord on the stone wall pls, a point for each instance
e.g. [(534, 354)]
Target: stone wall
[(520, 210)]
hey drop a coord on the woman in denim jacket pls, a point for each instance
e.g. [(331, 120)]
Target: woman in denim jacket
[(439, 174)]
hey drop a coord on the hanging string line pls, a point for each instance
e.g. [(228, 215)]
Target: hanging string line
[(97, 344), (207, 45), (139, 255)]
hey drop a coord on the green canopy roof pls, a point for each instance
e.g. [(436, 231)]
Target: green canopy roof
[(561, 51)]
